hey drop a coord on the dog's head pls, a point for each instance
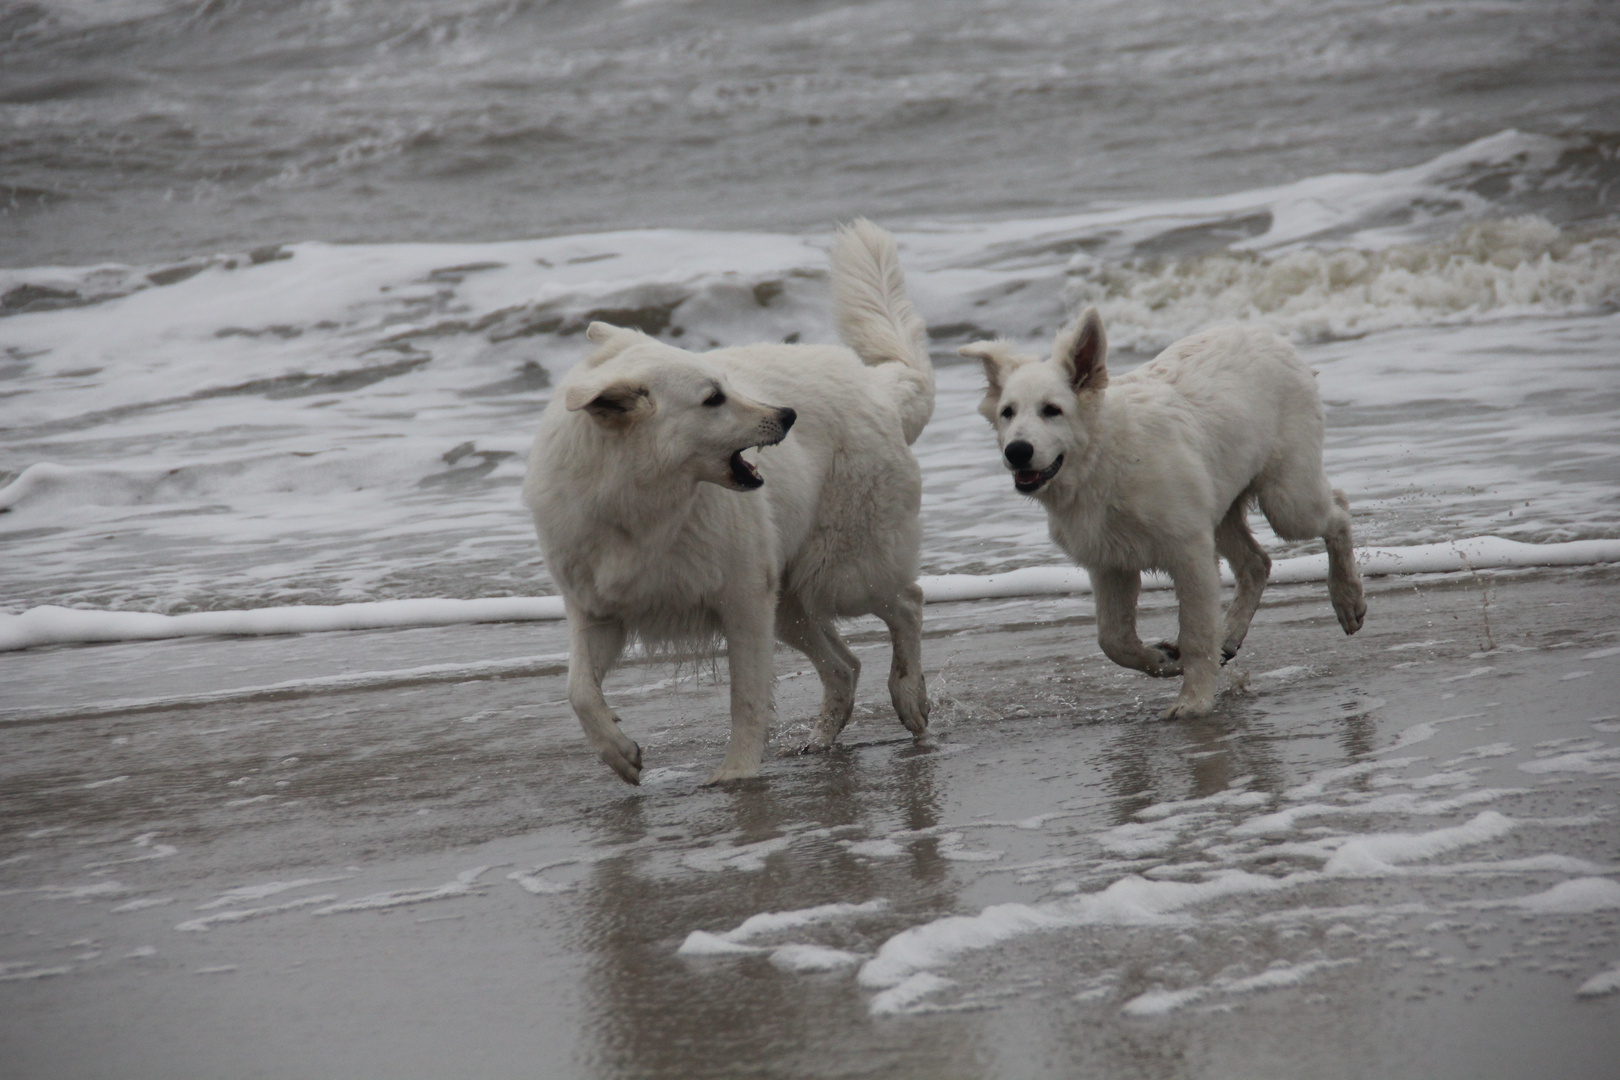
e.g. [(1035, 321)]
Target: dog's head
[(1044, 412), (673, 412)]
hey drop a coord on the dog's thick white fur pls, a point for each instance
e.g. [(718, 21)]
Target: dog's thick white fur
[(655, 527), (1155, 470)]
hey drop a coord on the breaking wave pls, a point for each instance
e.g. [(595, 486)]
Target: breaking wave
[(1491, 269)]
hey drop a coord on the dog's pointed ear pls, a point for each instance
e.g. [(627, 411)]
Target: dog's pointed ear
[(1081, 352), (610, 341), (616, 404), (999, 361)]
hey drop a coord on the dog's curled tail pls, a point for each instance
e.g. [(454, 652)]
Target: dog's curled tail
[(875, 318)]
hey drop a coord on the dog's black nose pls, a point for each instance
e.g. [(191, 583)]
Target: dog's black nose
[(1018, 453), (786, 418)]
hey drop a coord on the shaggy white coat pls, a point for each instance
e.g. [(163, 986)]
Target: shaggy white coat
[(1156, 469), (655, 527)]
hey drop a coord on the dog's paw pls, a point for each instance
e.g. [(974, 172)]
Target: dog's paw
[(814, 746), (1187, 708), (1164, 660), (1352, 613), (724, 774), (910, 698), (915, 717), (625, 760)]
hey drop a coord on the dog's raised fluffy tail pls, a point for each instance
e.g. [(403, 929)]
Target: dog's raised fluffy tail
[(875, 318)]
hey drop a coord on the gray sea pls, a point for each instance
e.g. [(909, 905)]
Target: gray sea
[(284, 287)]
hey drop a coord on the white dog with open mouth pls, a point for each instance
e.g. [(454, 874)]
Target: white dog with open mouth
[(1156, 470), (655, 526)]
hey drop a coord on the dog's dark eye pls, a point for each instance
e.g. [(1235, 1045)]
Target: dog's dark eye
[(716, 398), (1051, 410), (1008, 413)]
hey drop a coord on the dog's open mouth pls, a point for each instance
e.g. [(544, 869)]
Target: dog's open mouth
[(745, 475), (1029, 481)]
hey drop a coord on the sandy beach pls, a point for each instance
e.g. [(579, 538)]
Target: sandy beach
[(375, 854)]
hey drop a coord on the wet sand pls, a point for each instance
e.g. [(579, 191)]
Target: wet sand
[(442, 881)]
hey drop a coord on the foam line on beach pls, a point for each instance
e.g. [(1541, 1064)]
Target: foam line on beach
[(521, 667), (49, 625)]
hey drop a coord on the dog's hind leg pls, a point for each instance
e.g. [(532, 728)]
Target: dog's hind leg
[(1198, 598), (749, 626), (1300, 504), (593, 648), (834, 663), (1344, 577), (902, 611), (1250, 566), (1115, 593)]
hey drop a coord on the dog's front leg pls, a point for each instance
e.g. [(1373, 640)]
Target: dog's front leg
[(1198, 598), (1115, 593), (750, 642), (593, 646)]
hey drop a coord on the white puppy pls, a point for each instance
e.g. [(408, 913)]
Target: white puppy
[(655, 526), (1156, 471)]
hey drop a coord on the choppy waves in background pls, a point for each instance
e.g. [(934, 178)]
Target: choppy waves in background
[(319, 422), (288, 282), (144, 129)]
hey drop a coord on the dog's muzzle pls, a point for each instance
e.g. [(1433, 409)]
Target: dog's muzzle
[(747, 477), (1029, 481)]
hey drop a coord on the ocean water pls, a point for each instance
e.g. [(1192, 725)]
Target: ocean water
[(284, 286)]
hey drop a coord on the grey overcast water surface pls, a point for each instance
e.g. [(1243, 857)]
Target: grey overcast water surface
[(144, 130), (402, 790)]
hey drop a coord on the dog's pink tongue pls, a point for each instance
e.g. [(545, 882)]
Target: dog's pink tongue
[(1026, 476)]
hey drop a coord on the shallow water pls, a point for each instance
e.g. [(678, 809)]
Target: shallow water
[(1373, 840)]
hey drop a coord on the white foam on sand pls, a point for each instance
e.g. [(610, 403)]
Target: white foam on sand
[(905, 995), (260, 892), (1281, 974), (1604, 982), (744, 857), (1130, 901), (1580, 896), (776, 921), (1285, 821), (465, 884), (82, 893), (1379, 854), (28, 974), (734, 942), (1603, 762), (1233, 797), (208, 922), (873, 849), (1140, 901), (142, 904), (50, 625), (321, 684), (703, 943), (148, 841)]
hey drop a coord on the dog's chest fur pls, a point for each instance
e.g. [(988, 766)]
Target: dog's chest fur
[(666, 572)]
